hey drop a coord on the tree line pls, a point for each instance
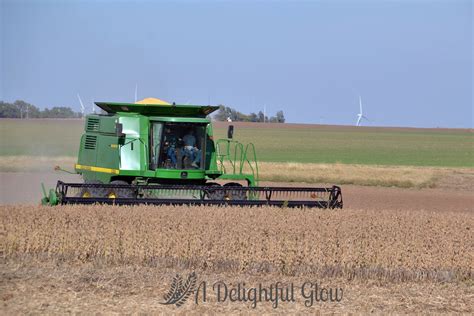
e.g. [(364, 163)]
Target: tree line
[(23, 110), (225, 113)]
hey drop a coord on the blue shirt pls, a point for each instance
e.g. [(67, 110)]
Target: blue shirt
[(189, 140)]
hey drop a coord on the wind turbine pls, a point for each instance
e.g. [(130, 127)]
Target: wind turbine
[(82, 105), (136, 92), (361, 115)]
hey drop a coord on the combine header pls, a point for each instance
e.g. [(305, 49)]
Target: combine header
[(166, 155)]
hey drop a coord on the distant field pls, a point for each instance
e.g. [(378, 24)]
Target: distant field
[(41, 137), (278, 143), (359, 145)]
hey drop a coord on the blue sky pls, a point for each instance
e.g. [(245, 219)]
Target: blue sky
[(410, 60)]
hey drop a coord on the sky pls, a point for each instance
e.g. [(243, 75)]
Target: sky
[(410, 61)]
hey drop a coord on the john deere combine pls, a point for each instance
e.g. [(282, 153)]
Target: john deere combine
[(166, 154)]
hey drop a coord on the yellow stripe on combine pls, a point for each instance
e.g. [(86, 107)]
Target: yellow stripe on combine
[(97, 169)]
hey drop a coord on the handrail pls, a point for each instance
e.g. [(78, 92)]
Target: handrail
[(254, 171), (227, 154), (240, 156), (241, 147)]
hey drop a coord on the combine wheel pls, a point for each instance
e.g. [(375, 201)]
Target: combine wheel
[(92, 192), (234, 195), (214, 194), (118, 192)]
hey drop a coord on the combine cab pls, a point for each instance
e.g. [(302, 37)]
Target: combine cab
[(166, 154)]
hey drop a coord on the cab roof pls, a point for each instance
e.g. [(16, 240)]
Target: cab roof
[(170, 110)]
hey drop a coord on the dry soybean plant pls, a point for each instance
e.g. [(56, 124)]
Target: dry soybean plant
[(355, 244)]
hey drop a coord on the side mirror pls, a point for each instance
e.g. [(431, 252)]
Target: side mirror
[(230, 132), (118, 130)]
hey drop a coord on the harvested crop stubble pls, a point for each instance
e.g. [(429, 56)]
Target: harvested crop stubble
[(367, 175), (387, 176), (356, 244), (35, 163)]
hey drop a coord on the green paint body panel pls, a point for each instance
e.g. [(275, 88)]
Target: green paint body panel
[(105, 154)]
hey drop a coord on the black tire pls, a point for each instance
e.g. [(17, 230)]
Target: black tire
[(92, 192), (234, 195), (212, 194), (119, 192)]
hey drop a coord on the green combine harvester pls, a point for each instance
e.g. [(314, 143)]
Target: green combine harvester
[(166, 155)]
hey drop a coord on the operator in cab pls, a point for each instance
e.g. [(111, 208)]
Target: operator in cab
[(171, 141), (191, 150)]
